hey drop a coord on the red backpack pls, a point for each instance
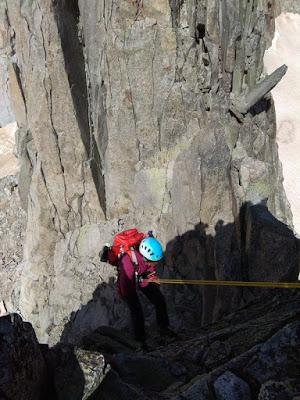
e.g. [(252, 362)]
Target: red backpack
[(123, 243)]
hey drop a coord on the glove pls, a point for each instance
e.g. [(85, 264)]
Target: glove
[(153, 278), (147, 277)]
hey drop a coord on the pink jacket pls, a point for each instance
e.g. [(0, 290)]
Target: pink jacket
[(126, 278)]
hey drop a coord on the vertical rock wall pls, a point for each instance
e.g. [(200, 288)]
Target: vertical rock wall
[(286, 98), (161, 83), (58, 189), (12, 230), (127, 116)]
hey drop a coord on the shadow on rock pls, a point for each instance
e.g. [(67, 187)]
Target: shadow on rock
[(256, 247), (75, 373), (93, 325)]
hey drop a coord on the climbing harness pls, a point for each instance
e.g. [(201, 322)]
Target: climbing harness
[(280, 285)]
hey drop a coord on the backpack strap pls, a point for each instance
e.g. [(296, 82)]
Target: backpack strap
[(133, 257), (135, 263)]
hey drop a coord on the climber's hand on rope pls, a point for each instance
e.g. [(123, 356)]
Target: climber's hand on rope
[(152, 278)]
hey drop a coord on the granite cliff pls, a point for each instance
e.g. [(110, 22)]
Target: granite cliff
[(251, 354), (154, 114)]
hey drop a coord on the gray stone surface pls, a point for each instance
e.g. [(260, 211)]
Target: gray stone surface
[(125, 119), (133, 127), (113, 388), (198, 390), (62, 195), (77, 373), (12, 233), (256, 355), (263, 340), (276, 356), (6, 114), (269, 245), (83, 289), (291, 6), (273, 390), (230, 387), (22, 368), (13, 221), (153, 374)]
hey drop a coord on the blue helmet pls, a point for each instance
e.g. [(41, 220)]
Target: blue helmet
[(151, 249)]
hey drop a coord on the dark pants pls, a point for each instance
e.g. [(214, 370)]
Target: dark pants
[(155, 296)]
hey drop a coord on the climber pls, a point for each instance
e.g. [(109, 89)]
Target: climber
[(136, 269), (149, 254)]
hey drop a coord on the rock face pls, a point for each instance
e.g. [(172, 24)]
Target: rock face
[(229, 386), (250, 354), (6, 115), (22, 366), (76, 373), (286, 98), (8, 161), (129, 113), (29, 371), (291, 6), (12, 232)]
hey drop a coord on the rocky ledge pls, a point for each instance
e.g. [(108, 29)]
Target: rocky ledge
[(251, 354)]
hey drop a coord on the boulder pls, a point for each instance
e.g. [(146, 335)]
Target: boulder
[(277, 357), (76, 373), (23, 373), (230, 387), (273, 390)]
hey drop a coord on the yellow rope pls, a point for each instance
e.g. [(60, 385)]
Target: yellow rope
[(282, 285)]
